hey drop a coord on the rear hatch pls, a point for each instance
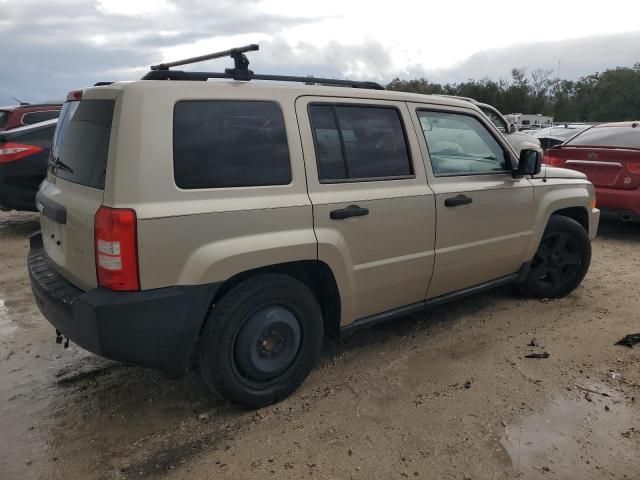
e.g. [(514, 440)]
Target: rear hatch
[(608, 155), (74, 189)]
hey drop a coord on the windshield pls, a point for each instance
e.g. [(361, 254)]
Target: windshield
[(618, 136), (81, 142)]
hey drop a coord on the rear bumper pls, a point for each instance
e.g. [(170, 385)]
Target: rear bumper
[(154, 328), (616, 201)]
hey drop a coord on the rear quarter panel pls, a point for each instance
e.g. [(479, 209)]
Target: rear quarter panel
[(198, 236)]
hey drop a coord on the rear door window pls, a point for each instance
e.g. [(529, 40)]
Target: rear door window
[(35, 117), (219, 143), (620, 137), (81, 141), (359, 142)]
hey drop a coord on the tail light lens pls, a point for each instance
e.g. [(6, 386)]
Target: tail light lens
[(553, 161), (11, 152), (116, 246), (634, 168)]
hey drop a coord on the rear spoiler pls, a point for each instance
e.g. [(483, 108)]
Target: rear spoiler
[(8, 135)]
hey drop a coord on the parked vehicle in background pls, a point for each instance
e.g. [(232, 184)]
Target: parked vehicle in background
[(510, 131), (609, 154), (324, 201), (552, 136), (27, 114), (24, 153)]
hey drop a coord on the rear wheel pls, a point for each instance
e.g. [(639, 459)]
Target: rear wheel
[(261, 340), (561, 261)]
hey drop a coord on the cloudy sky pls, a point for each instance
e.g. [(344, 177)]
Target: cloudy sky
[(51, 47)]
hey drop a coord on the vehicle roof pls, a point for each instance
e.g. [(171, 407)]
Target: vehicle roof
[(11, 108), (34, 127), (277, 88), (633, 124)]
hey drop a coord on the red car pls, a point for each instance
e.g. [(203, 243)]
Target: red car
[(27, 114), (609, 154)]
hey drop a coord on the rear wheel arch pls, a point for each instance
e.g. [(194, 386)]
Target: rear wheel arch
[(316, 275)]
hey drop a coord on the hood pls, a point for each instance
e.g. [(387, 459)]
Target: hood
[(524, 138), (557, 172)]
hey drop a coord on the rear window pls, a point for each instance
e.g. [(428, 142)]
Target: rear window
[(220, 143), (4, 116), (41, 138), (81, 141), (35, 117), (621, 137)]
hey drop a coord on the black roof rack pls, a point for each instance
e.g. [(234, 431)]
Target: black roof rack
[(241, 71)]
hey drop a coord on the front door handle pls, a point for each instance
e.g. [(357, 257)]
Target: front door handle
[(458, 200), (350, 211)]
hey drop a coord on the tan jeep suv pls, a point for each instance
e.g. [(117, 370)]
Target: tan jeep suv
[(238, 221)]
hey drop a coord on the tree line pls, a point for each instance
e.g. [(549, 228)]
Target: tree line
[(613, 95)]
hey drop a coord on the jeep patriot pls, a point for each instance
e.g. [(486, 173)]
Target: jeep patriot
[(238, 221)]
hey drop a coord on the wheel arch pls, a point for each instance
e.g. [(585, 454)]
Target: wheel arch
[(316, 275)]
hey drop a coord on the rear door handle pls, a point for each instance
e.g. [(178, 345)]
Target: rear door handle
[(350, 211), (458, 200)]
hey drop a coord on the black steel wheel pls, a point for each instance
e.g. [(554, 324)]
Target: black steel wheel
[(261, 340), (561, 261)]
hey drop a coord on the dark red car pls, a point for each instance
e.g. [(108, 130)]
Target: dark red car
[(609, 154), (24, 155), (27, 114)]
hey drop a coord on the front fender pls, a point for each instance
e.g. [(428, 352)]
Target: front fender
[(554, 195)]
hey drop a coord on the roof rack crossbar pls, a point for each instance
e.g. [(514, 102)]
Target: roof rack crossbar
[(232, 52), (241, 71)]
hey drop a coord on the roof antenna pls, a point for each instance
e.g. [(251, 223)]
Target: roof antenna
[(20, 101)]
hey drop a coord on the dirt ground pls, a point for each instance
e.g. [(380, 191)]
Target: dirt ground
[(447, 394)]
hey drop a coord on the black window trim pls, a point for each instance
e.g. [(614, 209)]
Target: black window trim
[(241, 100), (343, 149), (506, 151)]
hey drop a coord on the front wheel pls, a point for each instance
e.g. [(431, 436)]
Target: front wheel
[(561, 261), (261, 340)]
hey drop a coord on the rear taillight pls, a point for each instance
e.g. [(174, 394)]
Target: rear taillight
[(553, 161), (116, 247), (11, 152), (634, 168)]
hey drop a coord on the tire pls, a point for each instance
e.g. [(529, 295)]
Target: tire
[(261, 340), (561, 261)]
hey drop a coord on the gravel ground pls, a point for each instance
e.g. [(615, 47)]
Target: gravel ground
[(447, 394)]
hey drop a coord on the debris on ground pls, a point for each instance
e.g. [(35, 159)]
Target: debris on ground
[(538, 355), (630, 340), (533, 342)]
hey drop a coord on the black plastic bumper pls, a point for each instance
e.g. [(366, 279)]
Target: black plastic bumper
[(154, 328)]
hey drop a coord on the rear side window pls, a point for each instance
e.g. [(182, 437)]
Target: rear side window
[(621, 137), (219, 143), (35, 117), (4, 116), (359, 142), (81, 141)]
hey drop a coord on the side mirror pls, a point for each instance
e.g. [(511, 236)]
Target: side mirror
[(513, 128), (530, 162)]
